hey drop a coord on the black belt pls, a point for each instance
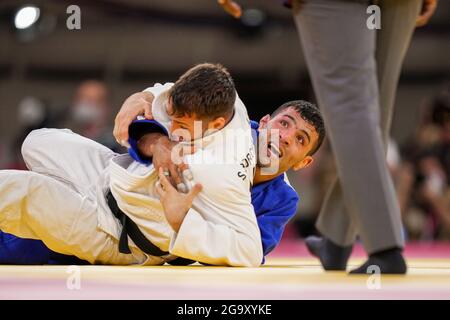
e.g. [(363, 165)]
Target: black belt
[(130, 229)]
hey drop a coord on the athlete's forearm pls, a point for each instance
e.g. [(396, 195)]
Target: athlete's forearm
[(148, 142)]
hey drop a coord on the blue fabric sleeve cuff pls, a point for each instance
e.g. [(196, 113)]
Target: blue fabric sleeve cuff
[(136, 130)]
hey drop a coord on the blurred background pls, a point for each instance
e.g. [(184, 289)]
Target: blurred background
[(51, 76)]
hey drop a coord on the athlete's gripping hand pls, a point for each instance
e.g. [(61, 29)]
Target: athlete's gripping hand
[(137, 104), (176, 204), (168, 155), (231, 8)]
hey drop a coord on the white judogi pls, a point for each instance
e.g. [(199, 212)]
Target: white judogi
[(65, 204), (61, 201)]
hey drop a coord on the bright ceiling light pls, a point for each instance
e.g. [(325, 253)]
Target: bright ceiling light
[(26, 17)]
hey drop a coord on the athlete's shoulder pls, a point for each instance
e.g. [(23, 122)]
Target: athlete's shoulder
[(281, 187)]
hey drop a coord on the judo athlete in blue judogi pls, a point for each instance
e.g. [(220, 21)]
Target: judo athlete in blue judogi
[(301, 131)]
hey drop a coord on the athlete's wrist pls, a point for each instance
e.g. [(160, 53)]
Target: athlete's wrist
[(148, 143)]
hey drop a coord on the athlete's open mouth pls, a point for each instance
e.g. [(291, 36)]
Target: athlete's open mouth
[(272, 148)]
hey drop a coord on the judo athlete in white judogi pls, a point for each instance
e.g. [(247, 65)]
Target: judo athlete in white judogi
[(65, 200)]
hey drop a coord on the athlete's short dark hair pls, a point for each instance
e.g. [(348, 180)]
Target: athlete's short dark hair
[(206, 90)]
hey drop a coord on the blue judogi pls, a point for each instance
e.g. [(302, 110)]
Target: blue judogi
[(274, 201)]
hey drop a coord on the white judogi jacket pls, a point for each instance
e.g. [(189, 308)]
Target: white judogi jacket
[(221, 226)]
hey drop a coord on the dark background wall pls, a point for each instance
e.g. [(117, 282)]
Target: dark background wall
[(131, 44)]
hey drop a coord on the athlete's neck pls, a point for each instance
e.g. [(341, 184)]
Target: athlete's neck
[(260, 178)]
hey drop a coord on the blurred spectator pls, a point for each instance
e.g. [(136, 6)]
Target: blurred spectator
[(3, 154), (32, 113), (311, 185), (90, 114), (423, 183), (393, 157)]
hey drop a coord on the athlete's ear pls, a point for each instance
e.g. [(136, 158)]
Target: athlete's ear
[(169, 107), (217, 123), (264, 121), (303, 163)]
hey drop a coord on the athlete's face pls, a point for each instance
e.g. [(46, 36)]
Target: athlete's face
[(184, 128), (296, 138)]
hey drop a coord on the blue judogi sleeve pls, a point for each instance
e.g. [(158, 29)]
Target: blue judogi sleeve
[(136, 130), (275, 203)]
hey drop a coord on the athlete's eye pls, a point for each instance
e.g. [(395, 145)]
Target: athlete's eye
[(300, 139), (284, 123)]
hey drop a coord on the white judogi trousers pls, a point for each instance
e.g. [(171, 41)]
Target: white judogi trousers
[(59, 199)]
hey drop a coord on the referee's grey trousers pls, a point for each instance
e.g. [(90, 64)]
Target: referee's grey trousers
[(354, 72)]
